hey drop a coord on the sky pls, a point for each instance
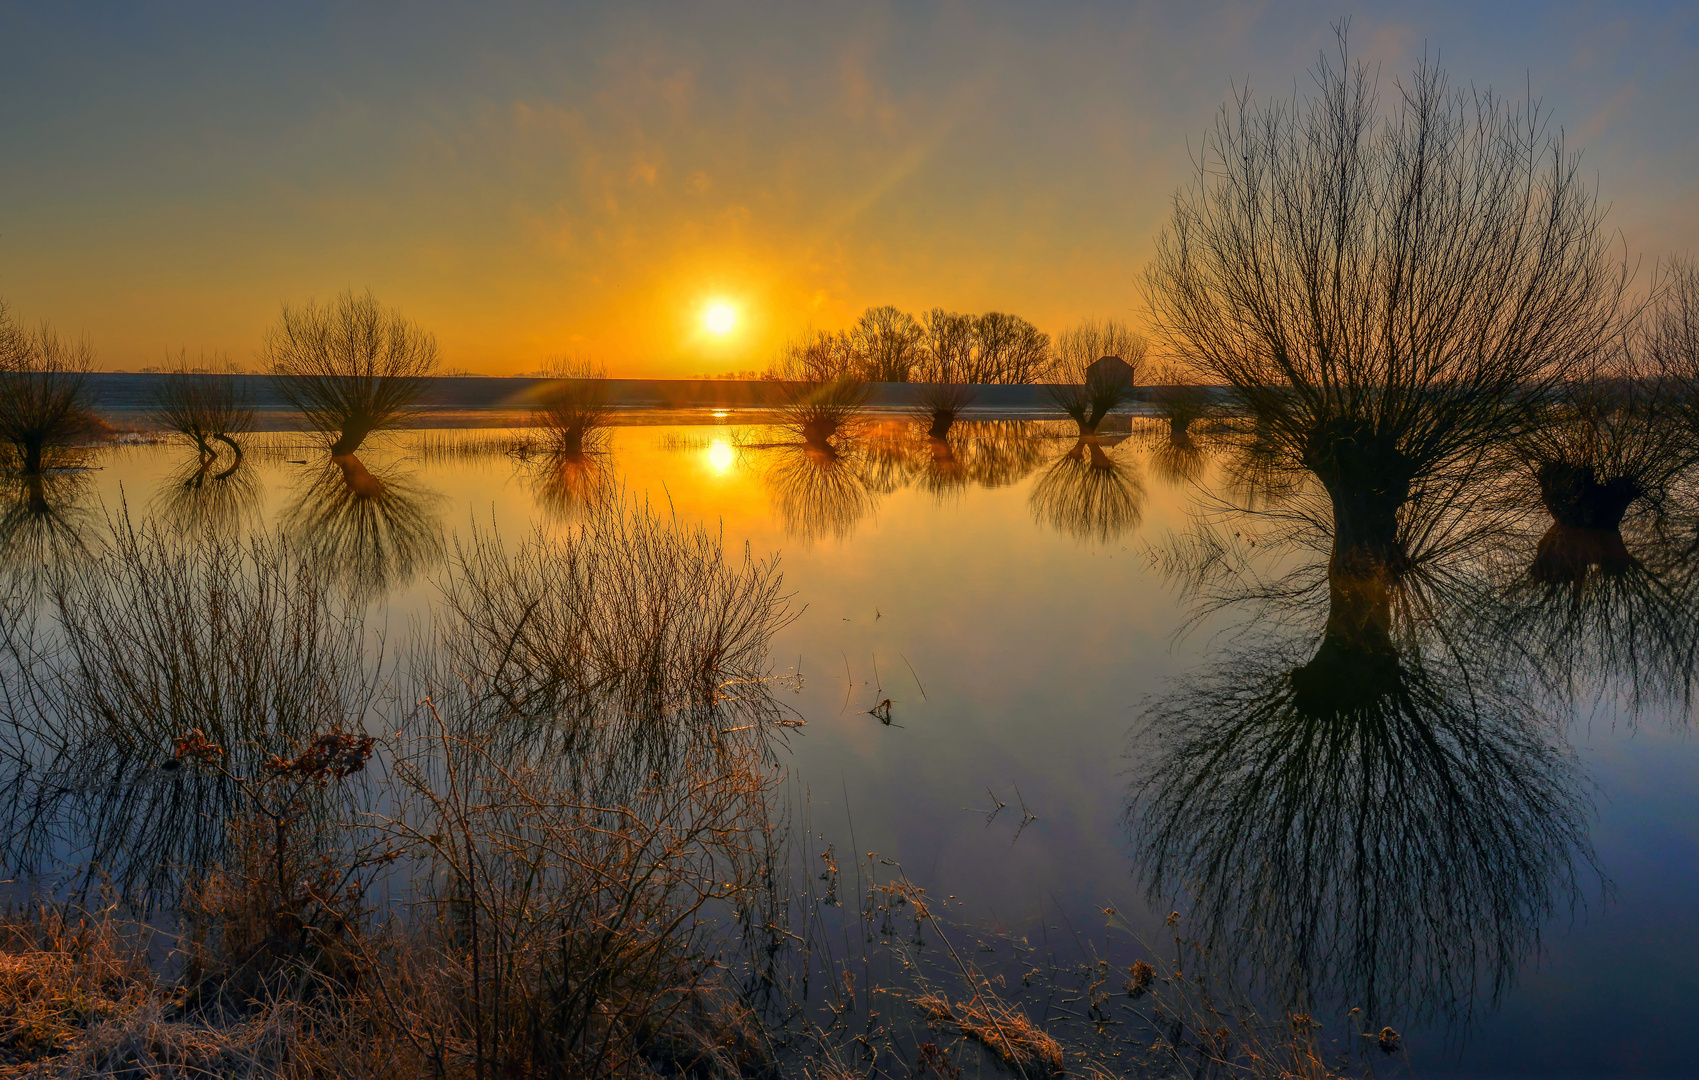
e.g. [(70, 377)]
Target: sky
[(532, 181)]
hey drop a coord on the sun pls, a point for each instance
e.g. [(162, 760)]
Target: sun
[(720, 317)]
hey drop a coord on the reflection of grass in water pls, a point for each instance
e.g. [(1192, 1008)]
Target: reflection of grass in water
[(373, 532), (432, 447), (1361, 825), (818, 493), (1089, 494), (628, 634), (208, 493), (155, 636)]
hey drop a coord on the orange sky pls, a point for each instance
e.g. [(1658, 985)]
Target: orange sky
[(528, 182)]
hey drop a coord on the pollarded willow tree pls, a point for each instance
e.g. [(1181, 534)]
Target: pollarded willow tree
[(44, 397), (1390, 287), (1090, 389), (352, 366)]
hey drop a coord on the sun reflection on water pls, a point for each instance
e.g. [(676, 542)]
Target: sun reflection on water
[(720, 456)]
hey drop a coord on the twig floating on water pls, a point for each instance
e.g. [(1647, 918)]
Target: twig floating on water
[(923, 696)]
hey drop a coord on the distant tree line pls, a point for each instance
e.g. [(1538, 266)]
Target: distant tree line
[(887, 344)]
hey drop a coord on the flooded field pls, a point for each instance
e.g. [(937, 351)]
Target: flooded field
[(1066, 688)]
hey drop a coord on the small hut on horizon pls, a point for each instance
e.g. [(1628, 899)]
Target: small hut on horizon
[(1110, 370)]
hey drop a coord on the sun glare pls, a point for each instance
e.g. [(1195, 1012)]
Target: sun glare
[(720, 456), (720, 318)]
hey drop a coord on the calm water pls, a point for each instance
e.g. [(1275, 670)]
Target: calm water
[(1006, 606)]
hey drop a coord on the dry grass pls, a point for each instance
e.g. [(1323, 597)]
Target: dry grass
[(1005, 1031)]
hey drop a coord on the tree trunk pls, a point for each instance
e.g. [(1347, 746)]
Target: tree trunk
[(359, 479), (1566, 554), (354, 433), (1578, 499)]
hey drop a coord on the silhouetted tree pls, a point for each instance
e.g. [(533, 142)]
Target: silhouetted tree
[(1007, 350), (1386, 291), (351, 366), (1670, 336), (1097, 363), (204, 403), (44, 401), (573, 406), (885, 343)]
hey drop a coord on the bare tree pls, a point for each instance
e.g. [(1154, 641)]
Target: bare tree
[(1008, 350), (44, 401), (351, 366), (814, 357), (945, 365), (1670, 336), (573, 406), (203, 403), (1388, 290), (822, 412), (886, 344), (1098, 364)]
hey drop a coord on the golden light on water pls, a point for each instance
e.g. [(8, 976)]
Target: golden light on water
[(720, 456), (720, 317)]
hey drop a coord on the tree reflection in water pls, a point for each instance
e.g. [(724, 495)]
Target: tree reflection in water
[(818, 492), (207, 493), (826, 491), (1089, 493), (372, 532), (1605, 606), (1374, 823), (45, 517), (568, 485), (988, 454), (1378, 812)]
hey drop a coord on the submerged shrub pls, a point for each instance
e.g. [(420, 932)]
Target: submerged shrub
[(586, 786), (819, 413)]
